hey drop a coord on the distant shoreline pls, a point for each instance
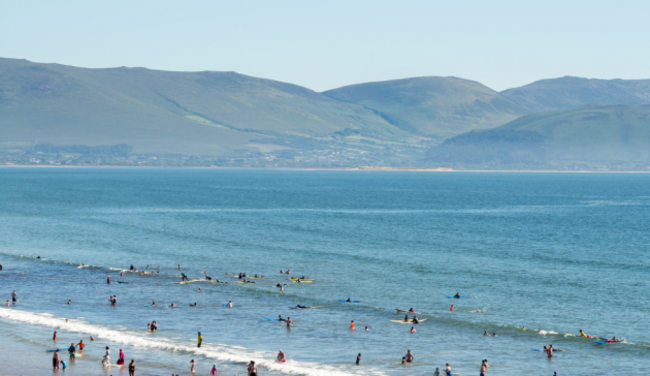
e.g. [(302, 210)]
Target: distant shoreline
[(360, 169)]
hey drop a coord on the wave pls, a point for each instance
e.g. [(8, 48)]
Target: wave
[(219, 352)]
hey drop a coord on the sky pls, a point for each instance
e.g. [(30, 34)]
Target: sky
[(327, 44)]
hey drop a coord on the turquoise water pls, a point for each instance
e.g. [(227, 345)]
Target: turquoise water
[(554, 253)]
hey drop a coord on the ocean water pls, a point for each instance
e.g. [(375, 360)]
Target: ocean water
[(553, 253)]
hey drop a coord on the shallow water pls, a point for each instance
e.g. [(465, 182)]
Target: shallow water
[(550, 252)]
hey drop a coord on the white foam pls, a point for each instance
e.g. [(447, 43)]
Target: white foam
[(217, 351)]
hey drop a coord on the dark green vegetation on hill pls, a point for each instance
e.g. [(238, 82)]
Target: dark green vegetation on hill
[(567, 92), (437, 107), (56, 114), (596, 135)]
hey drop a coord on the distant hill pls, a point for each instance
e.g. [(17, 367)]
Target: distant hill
[(609, 134), (218, 113), (438, 107), (567, 92)]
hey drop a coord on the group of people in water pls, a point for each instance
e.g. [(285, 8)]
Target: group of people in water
[(59, 363)]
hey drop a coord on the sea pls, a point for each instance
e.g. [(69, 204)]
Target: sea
[(537, 257)]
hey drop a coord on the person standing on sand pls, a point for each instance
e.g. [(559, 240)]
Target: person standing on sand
[(132, 368)]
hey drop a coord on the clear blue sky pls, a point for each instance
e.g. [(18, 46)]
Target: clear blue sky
[(327, 44)]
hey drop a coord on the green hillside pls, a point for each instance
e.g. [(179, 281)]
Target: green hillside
[(605, 134), (216, 113), (438, 107), (567, 92)]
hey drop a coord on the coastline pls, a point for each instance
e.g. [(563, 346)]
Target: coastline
[(361, 169)]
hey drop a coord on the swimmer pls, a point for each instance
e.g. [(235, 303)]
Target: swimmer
[(352, 325), (358, 358), (367, 329), (153, 304), (281, 272), (494, 334), (409, 356), (214, 370), (411, 310), (289, 322), (192, 366), (92, 338), (448, 370), (452, 308), (70, 302), (486, 334), (200, 289), (403, 360), (412, 329), (281, 356), (81, 346), (108, 280), (14, 296), (199, 340), (54, 336), (230, 304)]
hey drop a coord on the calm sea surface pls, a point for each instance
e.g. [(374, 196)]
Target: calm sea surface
[(553, 253)]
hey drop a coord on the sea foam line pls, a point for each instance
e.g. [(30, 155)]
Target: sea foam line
[(221, 352)]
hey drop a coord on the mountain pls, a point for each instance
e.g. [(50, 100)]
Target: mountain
[(567, 92), (437, 107), (605, 134), (217, 113)]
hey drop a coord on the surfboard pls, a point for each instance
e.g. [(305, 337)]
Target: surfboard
[(569, 335), (406, 322), (271, 319), (535, 349), (302, 281), (602, 343), (453, 297), (256, 277), (403, 310), (345, 301), (244, 282), (57, 349)]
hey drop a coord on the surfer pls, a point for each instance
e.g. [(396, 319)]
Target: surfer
[(281, 356), (457, 296), (208, 278), (409, 356), (349, 300), (184, 277), (582, 334), (132, 267), (199, 340), (230, 304), (411, 310), (406, 318), (415, 320), (280, 318), (14, 296), (153, 304)]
